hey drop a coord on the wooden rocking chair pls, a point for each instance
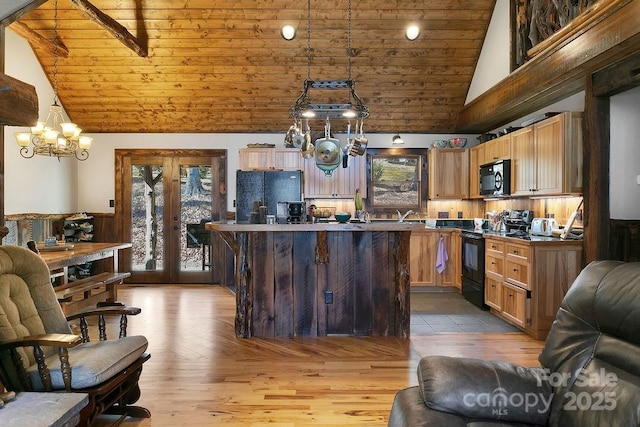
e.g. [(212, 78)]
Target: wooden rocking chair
[(31, 318)]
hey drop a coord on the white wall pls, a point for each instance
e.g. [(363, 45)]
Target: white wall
[(41, 184), (624, 161), (493, 63)]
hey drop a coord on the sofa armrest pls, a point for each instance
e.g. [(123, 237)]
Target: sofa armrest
[(485, 389)]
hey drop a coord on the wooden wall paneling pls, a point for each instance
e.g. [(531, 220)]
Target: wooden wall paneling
[(402, 303), (340, 314), (262, 277), (382, 298), (310, 314), (363, 276), (284, 264), (625, 240), (597, 146), (244, 287)]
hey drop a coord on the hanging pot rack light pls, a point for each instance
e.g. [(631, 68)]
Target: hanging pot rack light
[(303, 107)]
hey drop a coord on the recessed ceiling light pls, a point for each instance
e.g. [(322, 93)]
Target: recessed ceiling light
[(412, 32), (288, 32)]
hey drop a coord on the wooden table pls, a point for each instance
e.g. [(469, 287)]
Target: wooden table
[(92, 290), (320, 279)]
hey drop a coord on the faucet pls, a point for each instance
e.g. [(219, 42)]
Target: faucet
[(402, 217)]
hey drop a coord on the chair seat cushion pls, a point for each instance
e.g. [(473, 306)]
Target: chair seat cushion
[(92, 363)]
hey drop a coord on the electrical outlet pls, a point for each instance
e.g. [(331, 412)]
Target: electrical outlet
[(442, 214), (112, 203), (459, 214), (328, 297)]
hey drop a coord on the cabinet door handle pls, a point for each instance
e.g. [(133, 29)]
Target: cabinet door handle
[(515, 252), (515, 270)]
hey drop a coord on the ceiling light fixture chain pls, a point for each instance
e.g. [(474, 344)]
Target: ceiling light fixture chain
[(349, 41), (352, 108), (58, 138), (308, 39)]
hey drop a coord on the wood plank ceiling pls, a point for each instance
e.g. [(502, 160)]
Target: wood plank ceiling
[(222, 66)]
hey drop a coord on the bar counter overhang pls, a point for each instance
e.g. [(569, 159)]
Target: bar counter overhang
[(308, 280)]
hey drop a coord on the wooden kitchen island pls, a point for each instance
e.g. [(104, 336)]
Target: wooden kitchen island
[(308, 280)]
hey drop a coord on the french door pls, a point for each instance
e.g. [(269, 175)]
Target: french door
[(163, 200)]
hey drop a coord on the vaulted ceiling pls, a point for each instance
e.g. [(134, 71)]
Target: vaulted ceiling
[(222, 66)]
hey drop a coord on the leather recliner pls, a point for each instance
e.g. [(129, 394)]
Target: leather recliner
[(589, 373)]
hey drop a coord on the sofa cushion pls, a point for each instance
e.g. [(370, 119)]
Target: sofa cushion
[(485, 389), (409, 410), (88, 370)]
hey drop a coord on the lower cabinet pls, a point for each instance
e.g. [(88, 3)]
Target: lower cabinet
[(424, 246), (525, 281)]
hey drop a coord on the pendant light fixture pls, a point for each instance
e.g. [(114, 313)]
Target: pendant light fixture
[(54, 137)]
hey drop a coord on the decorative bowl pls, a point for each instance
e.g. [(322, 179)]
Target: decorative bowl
[(458, 142), (440, 143), (342, 217)]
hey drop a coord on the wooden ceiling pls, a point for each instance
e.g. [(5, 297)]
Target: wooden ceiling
[(222, 66)]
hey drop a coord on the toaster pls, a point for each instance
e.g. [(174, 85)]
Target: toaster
[(542, 226)]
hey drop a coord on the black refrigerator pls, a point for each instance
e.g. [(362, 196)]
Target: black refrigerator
[(270, 187)]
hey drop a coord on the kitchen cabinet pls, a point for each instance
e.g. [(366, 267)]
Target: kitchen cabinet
[(546, 157), (448, 173), (525, 281), (270, 158), (476, 157), (423, 255), (342, 184), (497, 149)]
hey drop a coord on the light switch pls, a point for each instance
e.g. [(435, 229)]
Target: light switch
[(638, 179)]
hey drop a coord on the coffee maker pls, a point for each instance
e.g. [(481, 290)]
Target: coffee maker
[(296, 212), (292, 212)]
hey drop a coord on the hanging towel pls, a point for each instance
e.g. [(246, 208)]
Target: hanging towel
[(441, 257)]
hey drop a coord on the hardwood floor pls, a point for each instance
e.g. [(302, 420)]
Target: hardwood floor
[(200, 374)]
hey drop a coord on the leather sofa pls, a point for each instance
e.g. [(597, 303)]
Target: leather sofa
[(589, 372)]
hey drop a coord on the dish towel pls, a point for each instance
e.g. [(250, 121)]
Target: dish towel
[(441, 257)]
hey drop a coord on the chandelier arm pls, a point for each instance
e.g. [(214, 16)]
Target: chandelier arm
[(82, 154), (24, 152)]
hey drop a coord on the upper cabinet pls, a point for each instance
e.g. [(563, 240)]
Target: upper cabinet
[(476, 158), (342, 184), (270, 158), (448, 173), (497, 149), (546, 157)]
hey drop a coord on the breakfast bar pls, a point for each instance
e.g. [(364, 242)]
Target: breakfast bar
[(308, 280)]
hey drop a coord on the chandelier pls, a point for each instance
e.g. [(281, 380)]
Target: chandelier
[(353, 107), (54, 137)]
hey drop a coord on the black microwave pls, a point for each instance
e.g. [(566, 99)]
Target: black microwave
[(495, 179)]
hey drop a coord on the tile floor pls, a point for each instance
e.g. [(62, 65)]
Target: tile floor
[(446, 312)]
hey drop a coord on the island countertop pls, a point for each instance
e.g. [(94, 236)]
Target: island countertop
[(322, 226)]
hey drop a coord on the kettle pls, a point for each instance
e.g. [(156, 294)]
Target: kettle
[(543, 226)]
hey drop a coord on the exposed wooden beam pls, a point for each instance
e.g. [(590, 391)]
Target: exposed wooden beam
[(17, 14), (112, 26), (18, 102), (38, 41), (557, 72)]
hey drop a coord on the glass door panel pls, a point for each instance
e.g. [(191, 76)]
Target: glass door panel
[(147, 237)]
